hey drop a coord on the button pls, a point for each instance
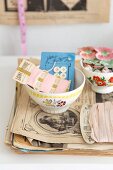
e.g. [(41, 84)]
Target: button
[(63, 69), (63, 75), (57, 75), (56, 69)]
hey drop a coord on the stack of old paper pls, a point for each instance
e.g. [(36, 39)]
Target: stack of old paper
[(32, 130)]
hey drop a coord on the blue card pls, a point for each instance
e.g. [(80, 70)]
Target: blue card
[(59, 64)]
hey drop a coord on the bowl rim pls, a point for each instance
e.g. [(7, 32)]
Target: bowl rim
[(92, 72), (54, 94)]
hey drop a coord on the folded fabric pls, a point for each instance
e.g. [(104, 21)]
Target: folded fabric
[(101, 122), (59, 64), (40, 80)]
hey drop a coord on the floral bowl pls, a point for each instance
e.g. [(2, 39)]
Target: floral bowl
[(100, 82), (58, 102)]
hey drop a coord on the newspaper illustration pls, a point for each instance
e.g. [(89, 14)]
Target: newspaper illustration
[(31, 121), (56, 11)]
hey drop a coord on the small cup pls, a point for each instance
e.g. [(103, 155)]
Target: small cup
[(58, 102), (100, 82)]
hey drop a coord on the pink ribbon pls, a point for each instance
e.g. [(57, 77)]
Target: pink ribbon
[(23, 29)]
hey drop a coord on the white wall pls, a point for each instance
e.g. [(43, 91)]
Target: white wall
[(56, 37)]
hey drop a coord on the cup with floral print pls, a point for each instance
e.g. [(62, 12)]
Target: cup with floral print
[(97, 65)]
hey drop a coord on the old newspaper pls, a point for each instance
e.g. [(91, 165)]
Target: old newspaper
[(34, 123), (30, 131), (28, 144)]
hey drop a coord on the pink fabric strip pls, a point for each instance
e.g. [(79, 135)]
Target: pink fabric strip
[(62, 85), (22, 22), (101, 122), (35, 73), (47, 83)]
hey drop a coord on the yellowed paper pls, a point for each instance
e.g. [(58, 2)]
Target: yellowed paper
[(32, 122), (20, 142), (56, 11)]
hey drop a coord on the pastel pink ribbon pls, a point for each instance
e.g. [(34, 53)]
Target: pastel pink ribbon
[(101, 122), (23, 29)]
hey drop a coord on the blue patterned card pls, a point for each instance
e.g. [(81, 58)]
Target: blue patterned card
[(59, 64)]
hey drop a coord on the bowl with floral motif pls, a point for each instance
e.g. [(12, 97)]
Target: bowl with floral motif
[(97, 65), (58, 102)]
